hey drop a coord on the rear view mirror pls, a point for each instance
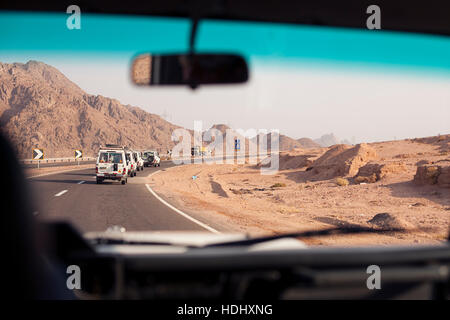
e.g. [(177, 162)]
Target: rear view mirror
[(189, 69)]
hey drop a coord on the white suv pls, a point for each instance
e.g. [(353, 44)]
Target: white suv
[(111, 164), (151, 158), (131, 163), (139, 160)]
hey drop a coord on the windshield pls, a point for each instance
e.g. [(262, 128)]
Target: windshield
[(110, 157), (335, 127)]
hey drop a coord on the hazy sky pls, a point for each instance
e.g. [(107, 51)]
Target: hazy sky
[(300, 102), (304, 81)]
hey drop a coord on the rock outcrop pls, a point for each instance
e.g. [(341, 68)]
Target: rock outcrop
[(434, 174), (374, 171), (342, 160)]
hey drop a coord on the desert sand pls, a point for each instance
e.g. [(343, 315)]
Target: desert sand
[(371, 185)]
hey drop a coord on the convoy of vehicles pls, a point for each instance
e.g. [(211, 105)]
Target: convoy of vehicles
[(151, 158), (116, 162), (112, 164)]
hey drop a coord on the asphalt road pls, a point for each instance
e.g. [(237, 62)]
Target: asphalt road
[(95, 207)]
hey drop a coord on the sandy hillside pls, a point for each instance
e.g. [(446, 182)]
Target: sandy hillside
[(40, 107), (310, 191)]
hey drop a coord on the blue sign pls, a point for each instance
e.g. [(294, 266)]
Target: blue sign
[(237, 144)]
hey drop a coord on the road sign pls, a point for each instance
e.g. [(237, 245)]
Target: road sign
[(78, 154), (38, 154), (237, 144)]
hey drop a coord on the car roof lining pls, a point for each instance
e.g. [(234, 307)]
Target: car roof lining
[(400, 15)]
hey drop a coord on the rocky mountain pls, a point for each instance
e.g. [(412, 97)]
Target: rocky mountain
[(287, 143), (308, 143), (284, 143), (327, 140), (40, 107), (221, 127), (228, 135)]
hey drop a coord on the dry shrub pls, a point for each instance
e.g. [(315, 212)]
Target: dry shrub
[(278, 185), (241, 191), (366, 179), (342, 182)]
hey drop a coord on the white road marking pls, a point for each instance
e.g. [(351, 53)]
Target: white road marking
[(60, 193), (154, 173), (81, 182), (201, 224)]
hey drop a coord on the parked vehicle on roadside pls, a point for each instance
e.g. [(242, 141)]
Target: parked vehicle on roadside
[(151, 158), (131, 163), (111, 164)]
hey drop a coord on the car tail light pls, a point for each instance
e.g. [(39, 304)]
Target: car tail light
[(131, 166)]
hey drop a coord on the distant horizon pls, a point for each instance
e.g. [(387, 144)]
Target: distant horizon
[(304, 80), (100, 83)]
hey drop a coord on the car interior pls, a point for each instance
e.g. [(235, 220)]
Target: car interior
[(116, 266)]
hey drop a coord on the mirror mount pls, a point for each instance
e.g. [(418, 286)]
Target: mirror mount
[(193, 36), (189, 69), (192, 84)]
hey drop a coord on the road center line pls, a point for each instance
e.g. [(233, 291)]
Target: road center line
[(201, 224), (81, 182), (60, 193)]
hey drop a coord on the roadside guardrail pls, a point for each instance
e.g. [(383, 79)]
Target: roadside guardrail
[(66, 160), (56, 160)]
